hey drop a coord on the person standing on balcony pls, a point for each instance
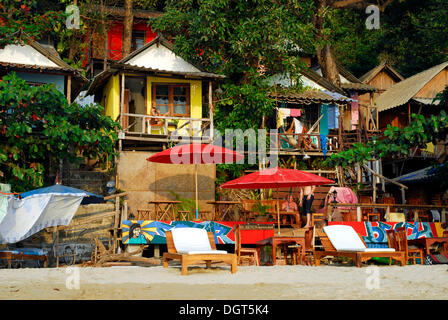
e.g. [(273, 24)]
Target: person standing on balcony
[(306, 200)]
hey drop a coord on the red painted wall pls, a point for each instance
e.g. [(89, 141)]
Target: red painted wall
[(115, 36)]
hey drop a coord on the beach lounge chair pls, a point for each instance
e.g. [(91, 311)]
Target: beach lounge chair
[(343, 241), (193, 245), (24, 254)]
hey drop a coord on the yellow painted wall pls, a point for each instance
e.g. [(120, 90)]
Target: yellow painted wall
[(112, 97), (195, 94)]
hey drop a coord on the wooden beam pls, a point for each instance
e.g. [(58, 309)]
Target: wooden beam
[(69, 89), (383, 177), (211, 108)]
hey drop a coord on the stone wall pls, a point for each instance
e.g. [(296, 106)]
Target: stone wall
[(146, 181)]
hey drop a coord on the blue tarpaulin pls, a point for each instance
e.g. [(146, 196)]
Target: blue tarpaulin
[(60, 189)]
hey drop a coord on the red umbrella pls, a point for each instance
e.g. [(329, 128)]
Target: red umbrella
[(276, 178), (196, 153)]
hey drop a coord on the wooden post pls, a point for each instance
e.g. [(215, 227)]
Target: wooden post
[(358, 173), (278, 214), (210, 109), (122, 99), (196, 189), (374, 188), (443, 217), (69, 89), (124, 216), (106, 40), (374, 184), (57, 247), (383, 183), (403, 198), (341, 142), (358, 214), (387, 217), (409, 113), (116, 219)]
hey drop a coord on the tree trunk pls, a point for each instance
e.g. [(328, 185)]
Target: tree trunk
[(328, 65), (127, 30), (324, 55)]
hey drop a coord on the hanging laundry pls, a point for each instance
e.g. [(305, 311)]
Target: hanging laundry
[(298, 126), (282, 114), (333, 117), (324, 121), (285, 111), (295, 112), (323, 144), (355, 111)]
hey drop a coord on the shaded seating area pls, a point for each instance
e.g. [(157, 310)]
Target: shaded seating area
[(343, 241), (192, 246)]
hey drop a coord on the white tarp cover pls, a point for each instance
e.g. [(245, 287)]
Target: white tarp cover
[(6, 188), (28, 216)]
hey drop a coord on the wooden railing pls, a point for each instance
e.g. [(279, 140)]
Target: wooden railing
[(307, 142), (387, 206), (146, 124)]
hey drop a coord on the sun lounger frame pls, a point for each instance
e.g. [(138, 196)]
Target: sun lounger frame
[(358, 257), (189, 259)]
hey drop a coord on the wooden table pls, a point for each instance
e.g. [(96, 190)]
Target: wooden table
[(226, 211), (162, 212), (284, 213), (275, 241), (427, 242)]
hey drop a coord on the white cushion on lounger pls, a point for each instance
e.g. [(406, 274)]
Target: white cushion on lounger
[(190, 240), (344, 238), (208, 252)]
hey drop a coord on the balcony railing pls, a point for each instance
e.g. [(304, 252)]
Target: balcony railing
[(304, 142), (170, 127)]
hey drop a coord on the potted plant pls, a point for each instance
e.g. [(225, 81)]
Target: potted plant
[(261, 211)]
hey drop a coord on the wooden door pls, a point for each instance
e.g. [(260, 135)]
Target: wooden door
[(126, 108)]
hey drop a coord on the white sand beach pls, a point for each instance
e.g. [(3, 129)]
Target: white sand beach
[(261, 283)]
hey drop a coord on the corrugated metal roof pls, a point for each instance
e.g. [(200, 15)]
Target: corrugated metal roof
[(314, 76), (34, 67), (428, 101), (102, 77), (124, 66), (427, 173), (311, 96), (403, 91), (358, 87)]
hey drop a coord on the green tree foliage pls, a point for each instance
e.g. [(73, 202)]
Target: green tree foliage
[(247, 41), (38, 128), (240, 39), (27, 16), (396, 141), (412, 37)]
